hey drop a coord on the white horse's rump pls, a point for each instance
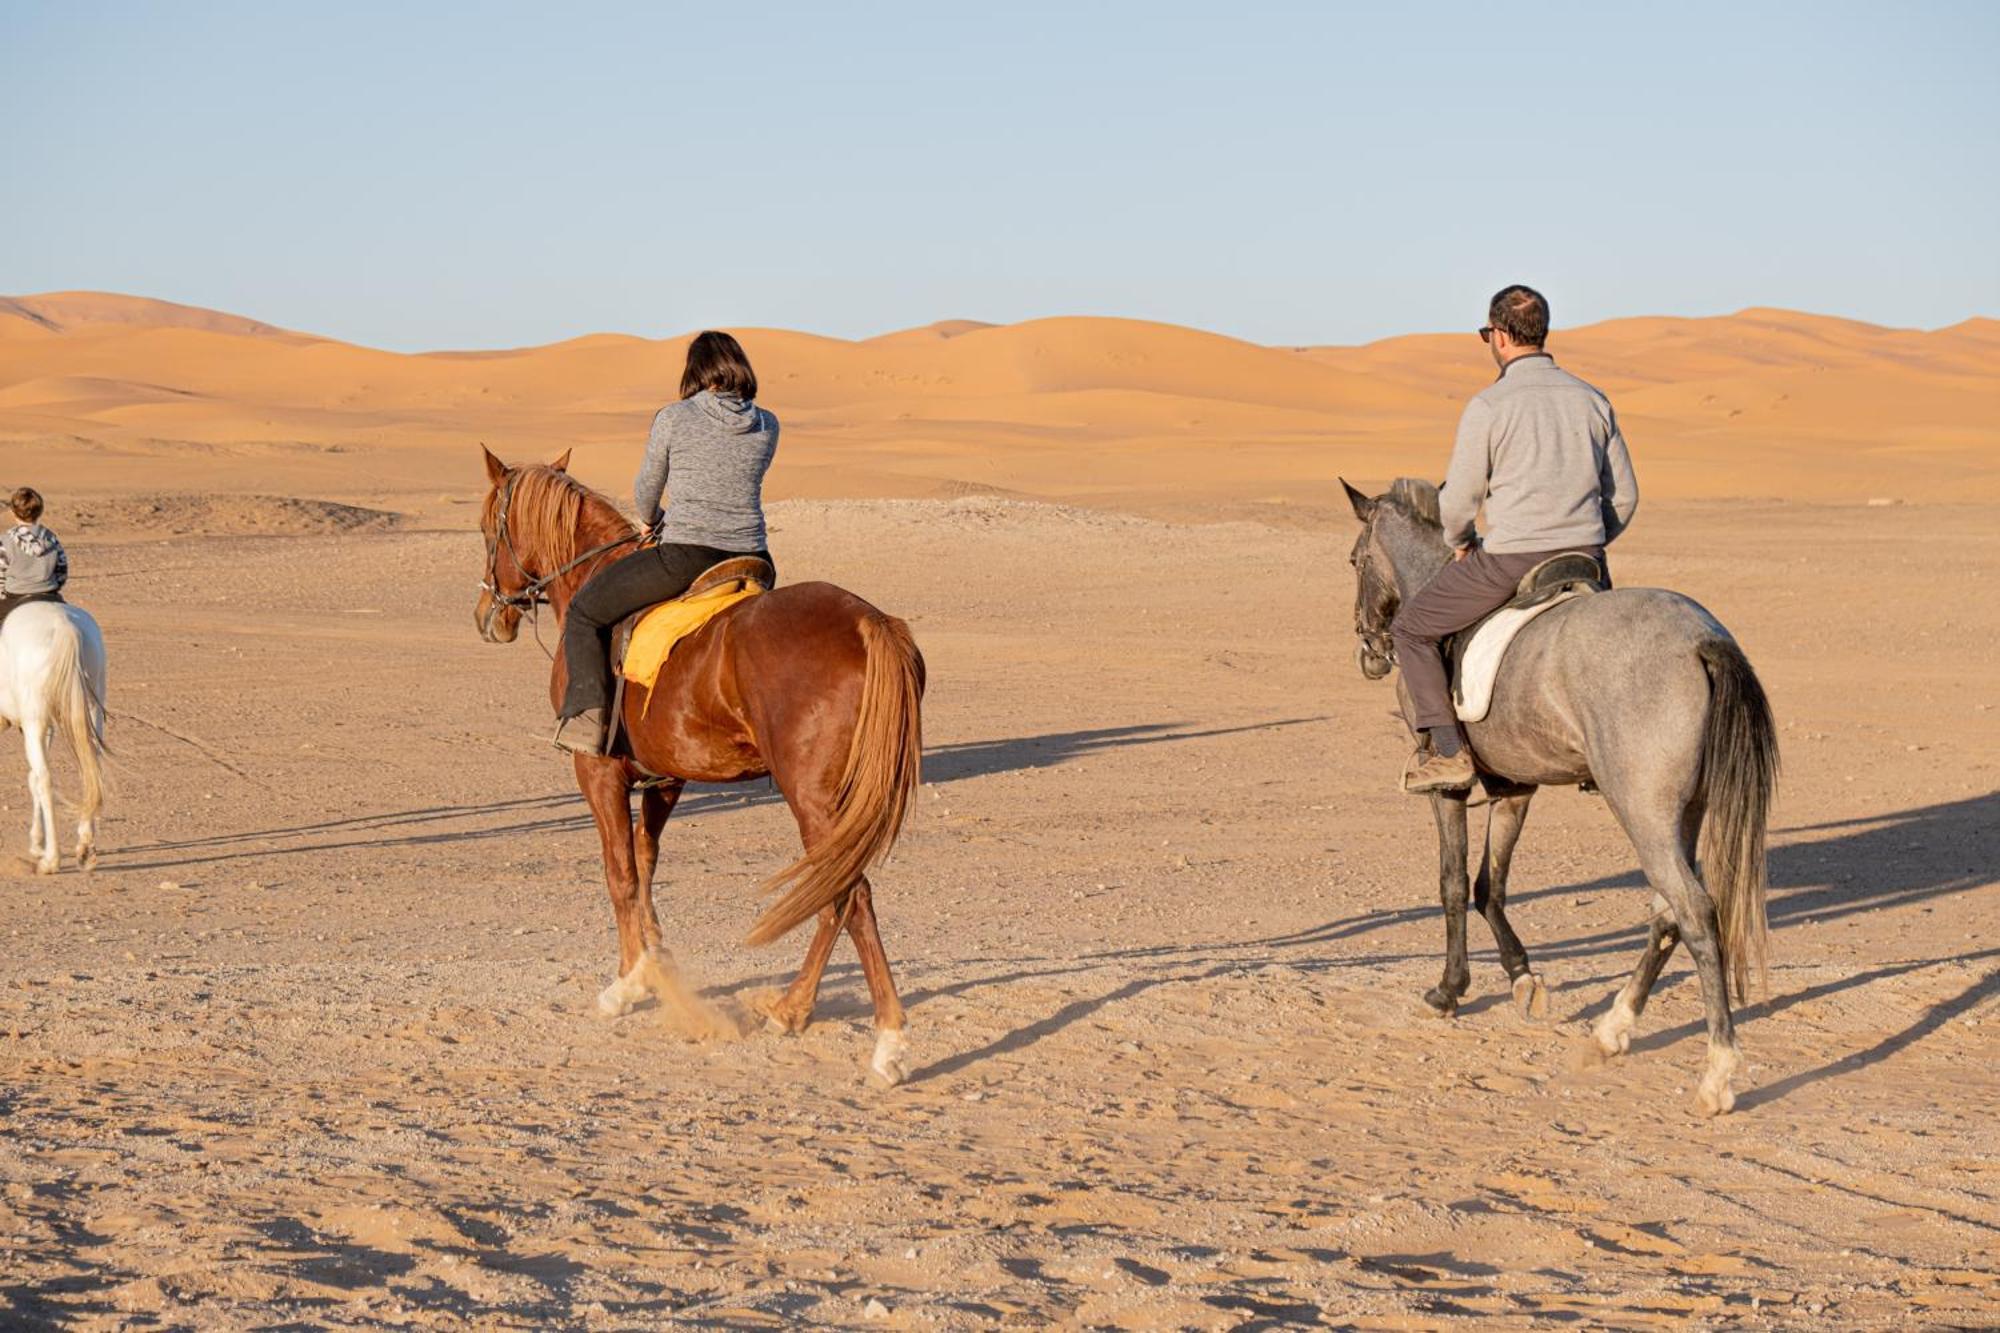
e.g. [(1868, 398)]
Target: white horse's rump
[(52, 675)]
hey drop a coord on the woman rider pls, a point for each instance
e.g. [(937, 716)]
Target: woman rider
[(711, 449)]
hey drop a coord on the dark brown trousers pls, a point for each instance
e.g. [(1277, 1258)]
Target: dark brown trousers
[(1463, 592)]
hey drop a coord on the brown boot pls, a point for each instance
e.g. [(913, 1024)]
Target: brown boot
[(1437, 773), (582, 734)]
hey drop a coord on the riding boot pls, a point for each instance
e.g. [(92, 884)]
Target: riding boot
[(582, 733), (1439, 773)]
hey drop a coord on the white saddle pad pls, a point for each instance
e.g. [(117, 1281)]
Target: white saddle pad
[(1473, 693)]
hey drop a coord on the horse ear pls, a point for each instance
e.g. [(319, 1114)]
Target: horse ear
[(562, 464), (496, 471), (1363, 506)]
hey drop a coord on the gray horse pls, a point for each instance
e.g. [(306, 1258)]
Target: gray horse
[(1642, 693)]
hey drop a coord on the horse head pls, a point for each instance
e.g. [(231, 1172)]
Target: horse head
[(1401, 545), (510, 582)]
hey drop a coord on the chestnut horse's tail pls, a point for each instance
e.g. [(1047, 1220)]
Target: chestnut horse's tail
[(876, 787)]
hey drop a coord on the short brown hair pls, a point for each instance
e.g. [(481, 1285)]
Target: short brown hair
[(716, 361), (27, 504), (1522, 313)]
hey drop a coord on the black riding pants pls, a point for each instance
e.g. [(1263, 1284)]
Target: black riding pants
[(631, 583)]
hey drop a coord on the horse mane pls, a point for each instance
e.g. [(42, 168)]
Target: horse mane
[(1417, 498), (548, 513)]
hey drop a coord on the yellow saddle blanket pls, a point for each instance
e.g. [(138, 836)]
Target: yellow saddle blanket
[(654, 637)]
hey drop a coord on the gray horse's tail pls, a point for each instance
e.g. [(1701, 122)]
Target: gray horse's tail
[(1739, 769)]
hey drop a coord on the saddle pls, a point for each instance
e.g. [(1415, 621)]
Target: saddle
[(642, 642), (1473, 655)]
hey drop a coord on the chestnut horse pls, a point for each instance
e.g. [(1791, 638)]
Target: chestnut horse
[(807, 685)]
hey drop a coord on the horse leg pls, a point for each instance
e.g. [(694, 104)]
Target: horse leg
[(86, 840), (888, 1059), (793, 1010), (1489, 894), (1663, 858), (34, 818), (41, 797), (1449, 810), (1613, 1032), (610, 797), (655, 804)]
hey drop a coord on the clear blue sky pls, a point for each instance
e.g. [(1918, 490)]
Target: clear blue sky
[(425, 174)]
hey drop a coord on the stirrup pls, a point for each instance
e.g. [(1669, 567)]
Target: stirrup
[(588, 734)]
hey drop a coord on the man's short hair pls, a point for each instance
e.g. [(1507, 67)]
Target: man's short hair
[(26, 504), (1522, 313)]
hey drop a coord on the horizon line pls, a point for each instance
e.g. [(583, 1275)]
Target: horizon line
[(982, 325)]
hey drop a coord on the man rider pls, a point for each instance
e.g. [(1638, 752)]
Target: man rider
[(1540, 449)]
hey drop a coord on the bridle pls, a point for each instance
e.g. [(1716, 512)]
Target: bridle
[(1377, 642), (534, 591)]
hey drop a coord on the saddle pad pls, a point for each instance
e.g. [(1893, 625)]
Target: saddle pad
[(1473, 692), (654, 637)]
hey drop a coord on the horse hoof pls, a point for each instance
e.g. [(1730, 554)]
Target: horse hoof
[(1531, 997), (1715, 1096), (86, 858), (888, 1062), (618, 999), (1442, 1002), (1613, 1032), (778, 1020), (47, 867)]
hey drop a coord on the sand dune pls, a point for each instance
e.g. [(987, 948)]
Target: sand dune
[(1116, 412)]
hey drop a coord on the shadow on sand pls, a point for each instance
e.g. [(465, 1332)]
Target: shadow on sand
[(1897, 860), (1901, 859), (564, 812)]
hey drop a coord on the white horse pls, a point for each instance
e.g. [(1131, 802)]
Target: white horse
[(52, 680)]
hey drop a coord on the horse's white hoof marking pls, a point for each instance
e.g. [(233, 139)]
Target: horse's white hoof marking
[(617, 999), (1715, 1096), (888, 1062), (1614, 1031)]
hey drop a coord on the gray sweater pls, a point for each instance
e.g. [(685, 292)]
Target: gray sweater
[(1541, 450), (710, 452), (31, 560)]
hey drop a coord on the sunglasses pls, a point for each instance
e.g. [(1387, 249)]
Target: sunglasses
[(1486, 334)]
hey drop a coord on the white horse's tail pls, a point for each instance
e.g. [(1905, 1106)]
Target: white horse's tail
[(78, 710)]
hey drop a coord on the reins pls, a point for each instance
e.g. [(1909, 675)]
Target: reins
[(534, 592)]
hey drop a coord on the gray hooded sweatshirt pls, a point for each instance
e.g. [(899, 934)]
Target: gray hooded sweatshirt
[(31, 560), (710, 453)]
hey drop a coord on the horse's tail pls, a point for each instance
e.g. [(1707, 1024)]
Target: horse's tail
[(78, 709), (1739, 768), (876, 787)]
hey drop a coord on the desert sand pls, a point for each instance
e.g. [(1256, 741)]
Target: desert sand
[(315, 1045)]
